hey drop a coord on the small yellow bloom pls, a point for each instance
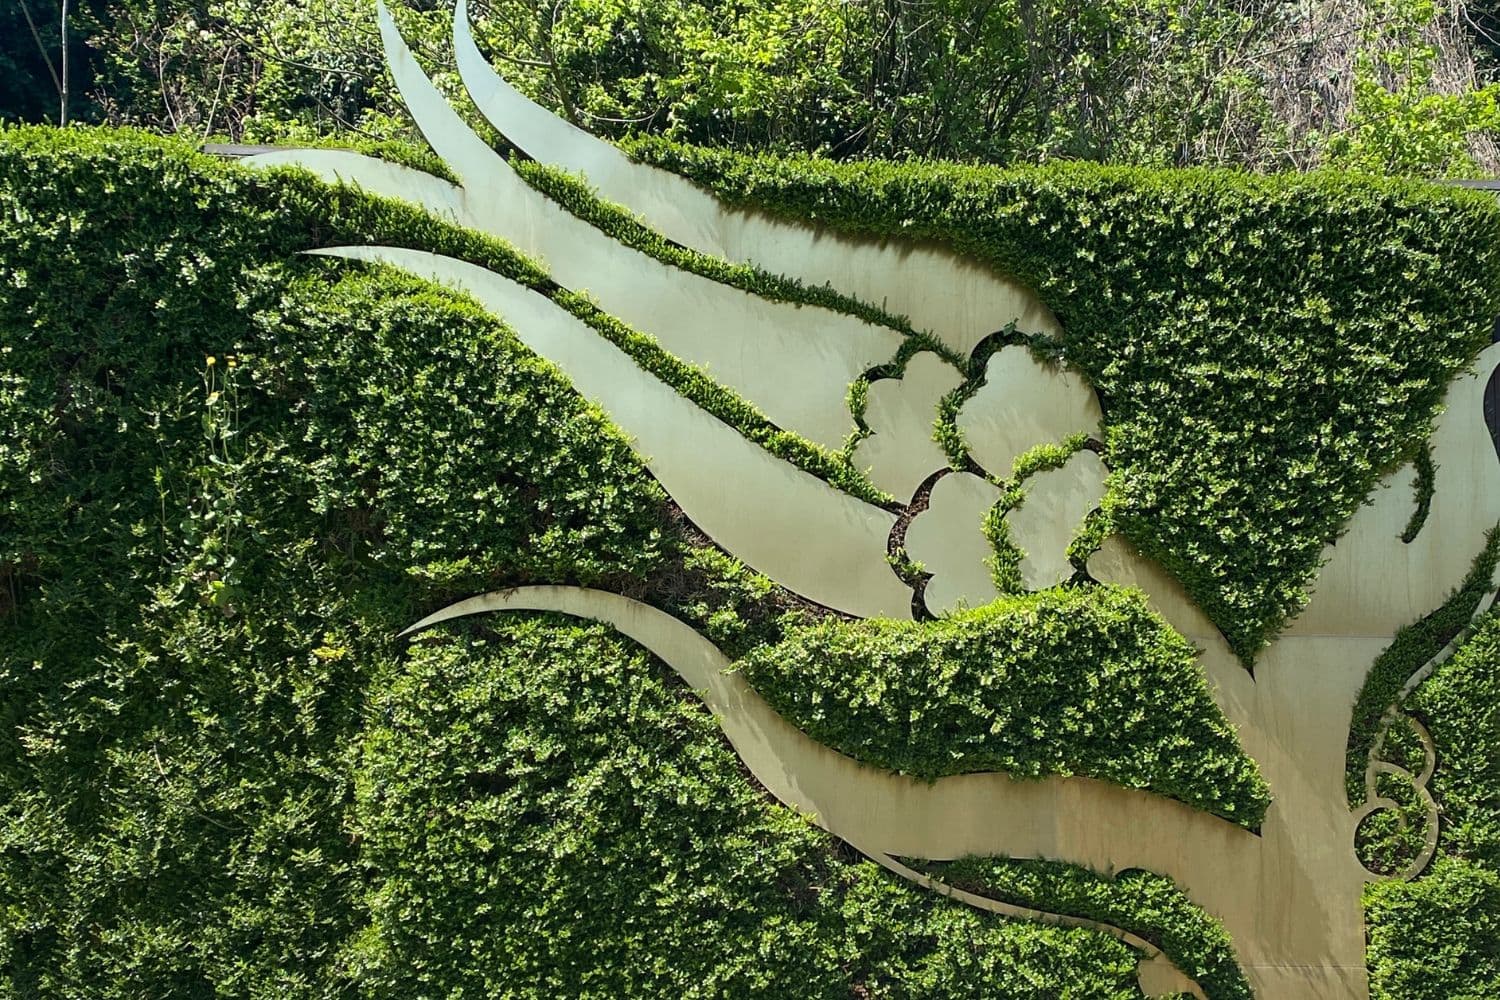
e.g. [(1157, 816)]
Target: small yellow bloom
[(212, 361)]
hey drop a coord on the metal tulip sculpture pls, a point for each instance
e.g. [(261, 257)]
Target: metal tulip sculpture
[(1289, 893)]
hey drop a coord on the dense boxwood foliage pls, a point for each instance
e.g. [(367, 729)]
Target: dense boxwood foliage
[(545, 816), (1264, 347), (1000, 689), (229, 475), (1390, 840), (1145, 904), (1439, 936)]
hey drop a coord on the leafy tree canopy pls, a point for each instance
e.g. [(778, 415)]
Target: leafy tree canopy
[(1397, 86)]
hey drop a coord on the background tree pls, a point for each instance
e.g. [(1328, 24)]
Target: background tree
[(1391, 85), (31, 59)]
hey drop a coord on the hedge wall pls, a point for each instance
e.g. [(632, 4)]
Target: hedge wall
[(1264, 347), (229, 475)]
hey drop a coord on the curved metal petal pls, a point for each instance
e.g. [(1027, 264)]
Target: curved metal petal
[(795, 363), (956, 299), (804, 534)]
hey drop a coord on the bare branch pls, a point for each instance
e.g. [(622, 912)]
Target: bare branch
[(26, 12)]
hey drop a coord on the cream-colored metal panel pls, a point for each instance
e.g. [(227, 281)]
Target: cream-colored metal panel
[(953, 297), (527, 125), (794, 362), (900, 452), (1118, 562), (948, 540), (1057, 500), (1372, 583), (1309, 911), (433, 195), (1300, 932), (796, 529), (1024, 403)]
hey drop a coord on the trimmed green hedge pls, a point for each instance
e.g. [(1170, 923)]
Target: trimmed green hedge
[(1264, 347), (202, 570), (1143, 903), (545, 815), (1438, 937), (1066, 681)]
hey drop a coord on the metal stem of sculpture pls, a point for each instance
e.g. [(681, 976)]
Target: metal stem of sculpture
[(1289, 893)]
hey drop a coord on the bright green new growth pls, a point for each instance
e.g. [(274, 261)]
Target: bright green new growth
[(1066, 681), (1264, 347), (1434, 939)]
